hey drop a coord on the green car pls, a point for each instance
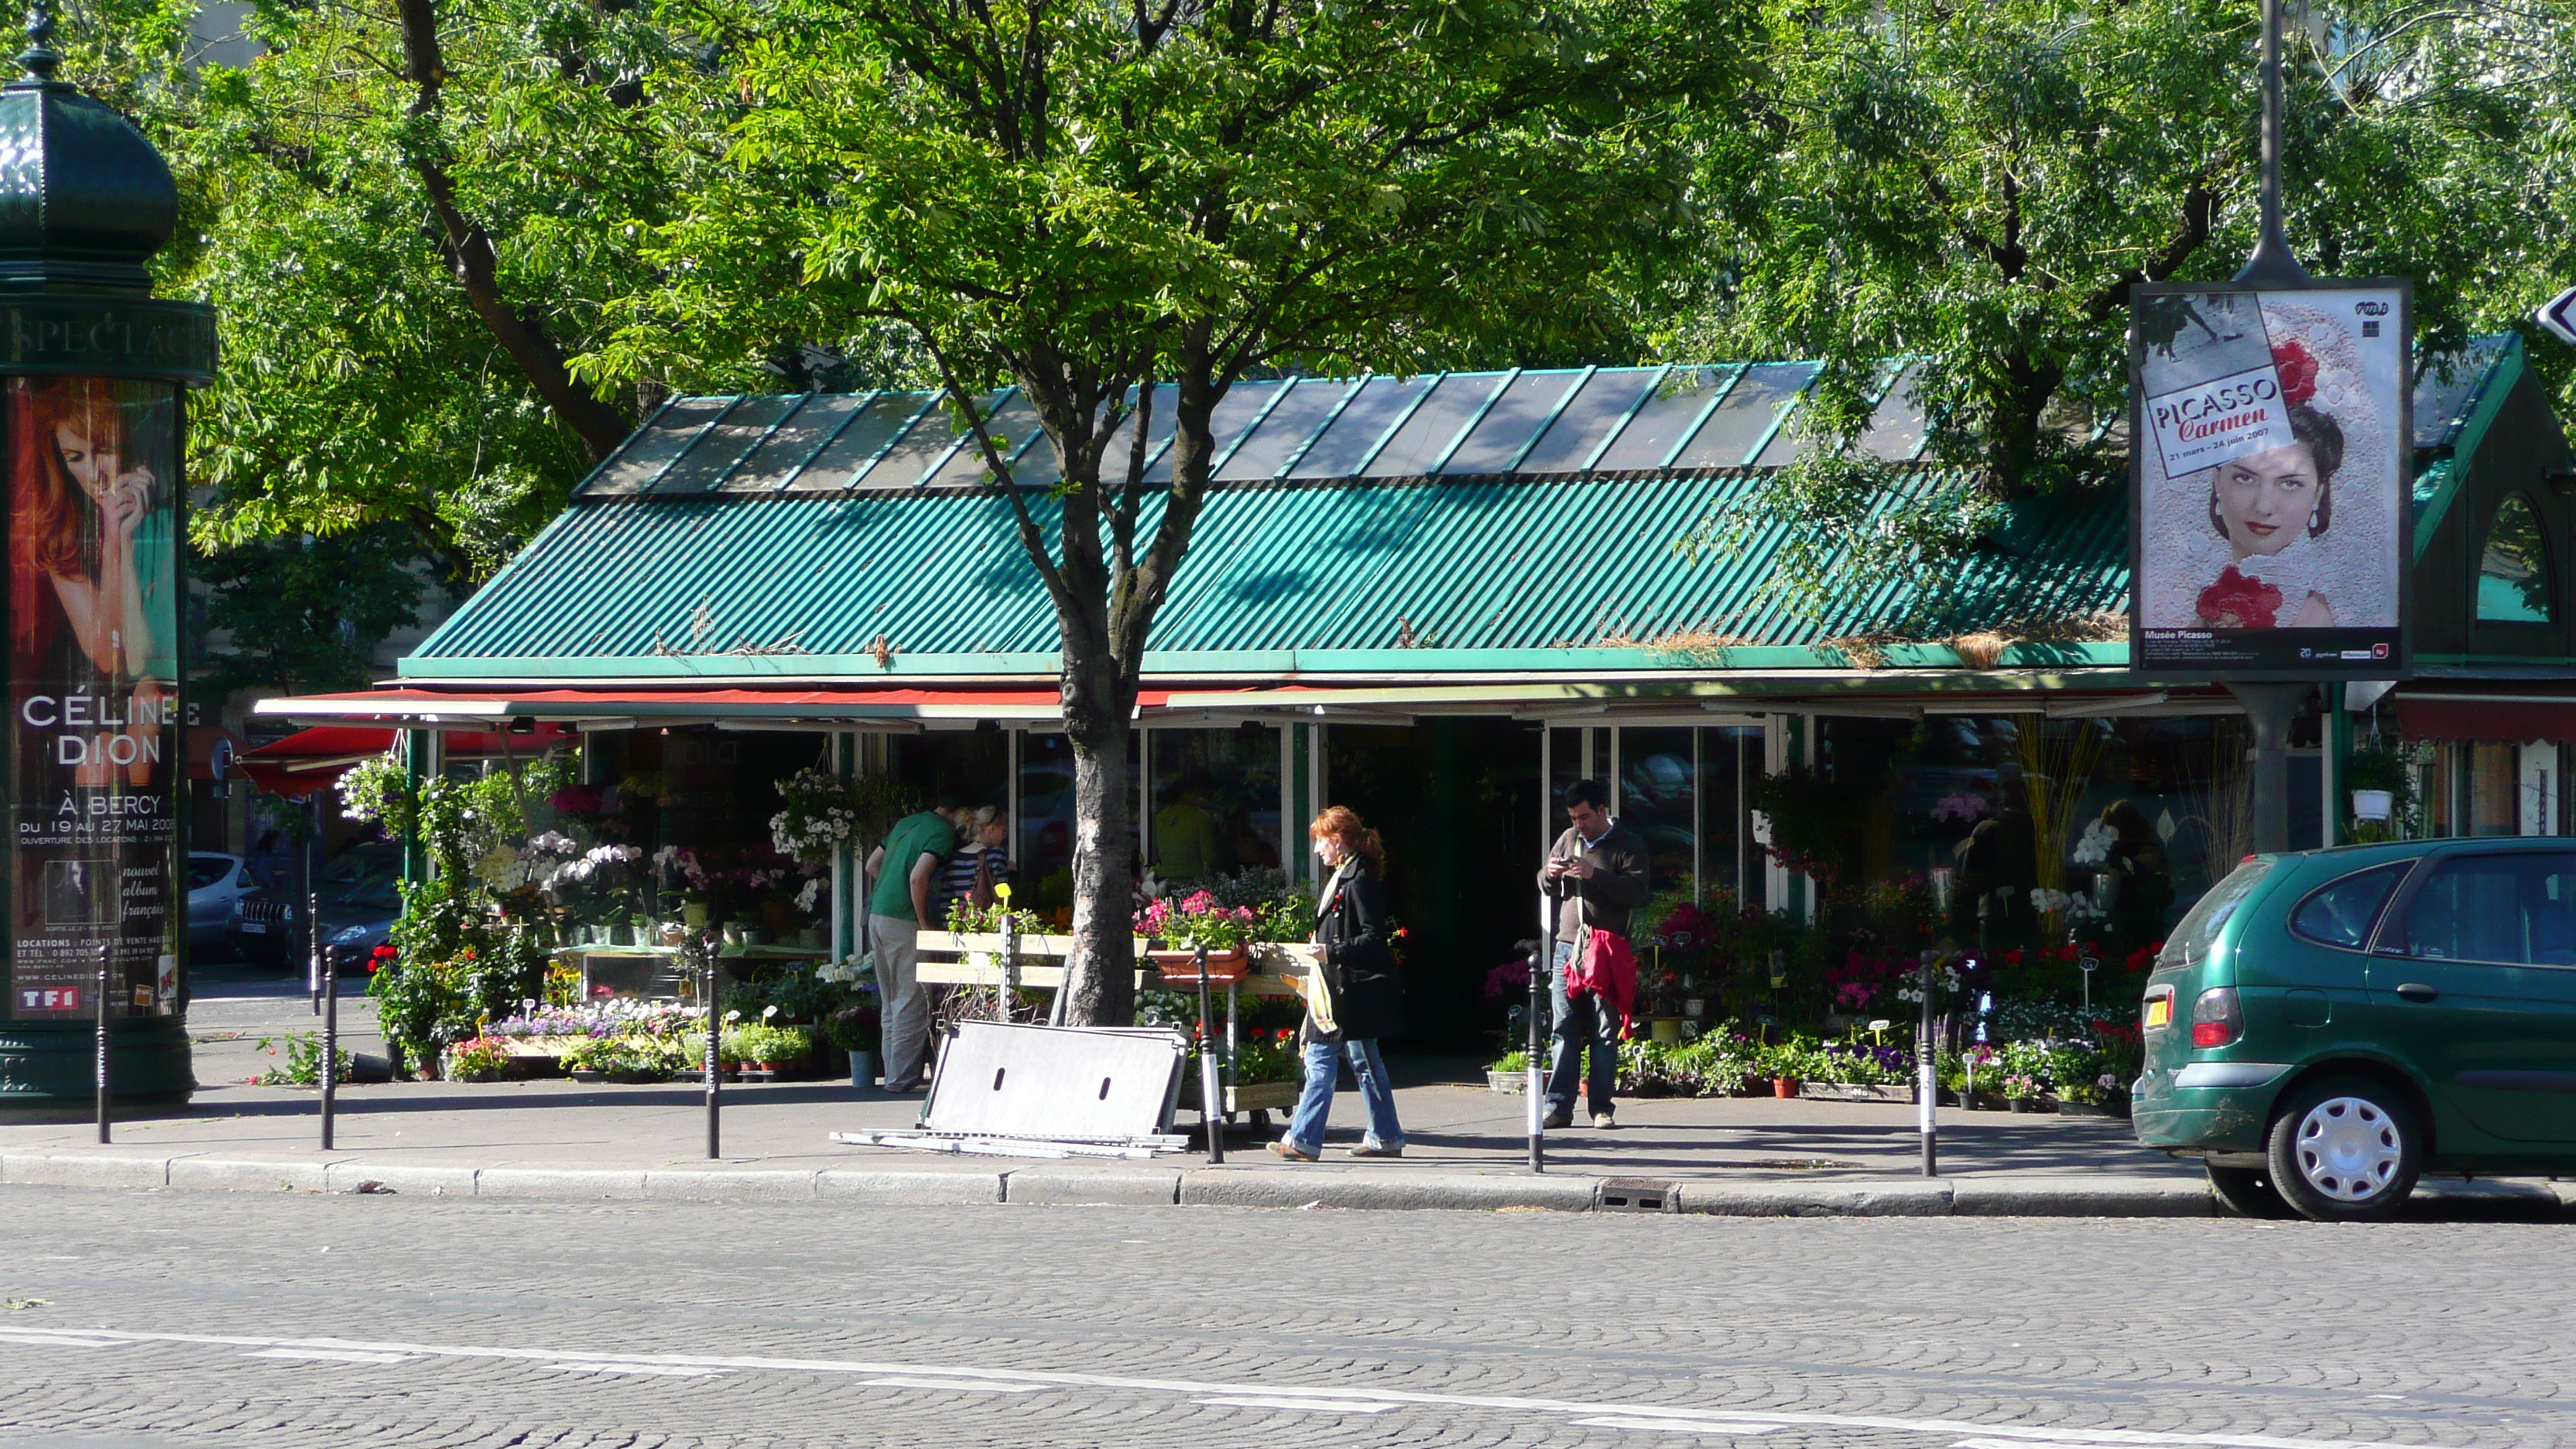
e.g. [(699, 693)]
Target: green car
[(2324, 1026)]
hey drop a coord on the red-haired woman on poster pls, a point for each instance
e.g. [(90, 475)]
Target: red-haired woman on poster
[(91, 549)]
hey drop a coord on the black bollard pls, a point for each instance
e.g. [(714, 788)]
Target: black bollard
[(103, 1083), (330, 1045)]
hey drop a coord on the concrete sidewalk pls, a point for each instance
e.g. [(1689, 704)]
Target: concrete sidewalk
[(552, 1139), (1465, 1148)]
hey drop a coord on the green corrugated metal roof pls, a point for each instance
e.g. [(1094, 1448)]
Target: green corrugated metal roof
[(1482, 564), (1517, 519)]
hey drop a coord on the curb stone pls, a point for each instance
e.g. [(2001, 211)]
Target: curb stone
[(344, 1176), (2105, 1196), (1883, 1198), (2075, 1197), (718, 1185), (85, 1171), (1059, 1188), (558, 1182), (247, 1176), (1263, 1187), (922, 1189)]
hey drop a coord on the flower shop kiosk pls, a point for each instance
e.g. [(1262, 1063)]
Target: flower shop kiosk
[(1378, 610)]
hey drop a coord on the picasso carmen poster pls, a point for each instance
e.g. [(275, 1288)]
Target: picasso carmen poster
[(94, 741), (2269, 460)]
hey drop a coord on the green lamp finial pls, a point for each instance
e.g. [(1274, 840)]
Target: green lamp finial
[(39, 57)]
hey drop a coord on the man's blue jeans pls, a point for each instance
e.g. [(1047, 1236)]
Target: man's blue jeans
[(1582, 1021), (1315, 1104)]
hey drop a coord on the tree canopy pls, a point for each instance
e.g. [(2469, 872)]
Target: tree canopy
[(1124, 208), (1977, 188)]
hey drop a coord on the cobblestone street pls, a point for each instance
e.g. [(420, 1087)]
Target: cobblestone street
[(285, 1319)]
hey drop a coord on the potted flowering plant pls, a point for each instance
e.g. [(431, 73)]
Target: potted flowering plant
[(1199, 922), (481, 1059)]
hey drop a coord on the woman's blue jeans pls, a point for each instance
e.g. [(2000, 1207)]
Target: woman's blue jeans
[(1315, 1104)]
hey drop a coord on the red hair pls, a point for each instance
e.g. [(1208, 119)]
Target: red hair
[(1344, 822), (46, 521), (49, 530)]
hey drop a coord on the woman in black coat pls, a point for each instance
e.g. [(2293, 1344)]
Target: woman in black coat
[(1361, 1000)]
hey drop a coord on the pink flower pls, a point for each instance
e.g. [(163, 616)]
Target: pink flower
[(1199, 903)]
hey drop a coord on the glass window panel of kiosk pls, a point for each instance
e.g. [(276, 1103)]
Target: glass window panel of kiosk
[(1730, 762), (1042, 836), (1215, 799), (1659, 804)]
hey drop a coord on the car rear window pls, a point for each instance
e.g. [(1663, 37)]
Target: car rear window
[(2340, 913), (204, 870), (2190, 940)]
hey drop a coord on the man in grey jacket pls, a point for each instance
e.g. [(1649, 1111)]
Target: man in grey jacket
[(1598, 871)]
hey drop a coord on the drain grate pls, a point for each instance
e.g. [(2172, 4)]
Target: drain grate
[(1637, 1195)]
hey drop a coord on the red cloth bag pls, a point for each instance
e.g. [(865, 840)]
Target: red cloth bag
[(1607, 967)]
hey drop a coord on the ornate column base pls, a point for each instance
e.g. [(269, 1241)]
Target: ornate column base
[(50, 1062)]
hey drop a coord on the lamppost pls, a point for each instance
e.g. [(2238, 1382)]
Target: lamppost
[(93, 372)]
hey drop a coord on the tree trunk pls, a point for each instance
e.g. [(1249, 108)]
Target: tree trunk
[(1099, 700)]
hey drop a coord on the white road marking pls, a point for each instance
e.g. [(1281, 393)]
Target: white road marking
[(962, 1386), (1682, 1426), (2007, 1436), (56, 1340), (674, 1370), (2073, 1441), (330, 1355), (1312, 1406)]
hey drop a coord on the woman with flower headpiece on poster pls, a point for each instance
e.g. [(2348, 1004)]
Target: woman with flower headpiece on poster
[(2274, 508)]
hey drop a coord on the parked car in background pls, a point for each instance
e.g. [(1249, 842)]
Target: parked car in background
[(2326, 1026), (231, 916), (357, 915)]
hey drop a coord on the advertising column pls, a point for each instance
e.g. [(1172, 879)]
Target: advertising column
[(94, 752)]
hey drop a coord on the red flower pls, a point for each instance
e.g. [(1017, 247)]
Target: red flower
[(2237, 602), (2012, 958), (1287, 1033), (2298, 372)]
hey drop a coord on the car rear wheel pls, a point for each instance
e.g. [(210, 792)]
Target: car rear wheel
[(2248, 1192), (2346, 1149)]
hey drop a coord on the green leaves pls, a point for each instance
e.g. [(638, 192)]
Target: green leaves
[(1980, 186)]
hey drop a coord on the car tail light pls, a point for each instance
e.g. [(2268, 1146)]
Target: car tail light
[(2216, 1018)]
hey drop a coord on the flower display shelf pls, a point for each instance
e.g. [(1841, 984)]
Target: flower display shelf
[(1254, 1097), (1856, 1091), (1181, 968)]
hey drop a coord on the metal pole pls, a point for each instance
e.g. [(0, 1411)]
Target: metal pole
[(2269, 708), (1009, 986), (2272, 260), (104, 1086), (715, 1072), (1211, 1085), (312, 894), (1927, 1080), (330, 1045), (1540, 954)]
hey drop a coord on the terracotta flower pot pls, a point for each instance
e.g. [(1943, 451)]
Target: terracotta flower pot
[(1784, 1086)]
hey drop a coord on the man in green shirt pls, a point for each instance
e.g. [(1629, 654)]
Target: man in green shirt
[(898, 908)]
